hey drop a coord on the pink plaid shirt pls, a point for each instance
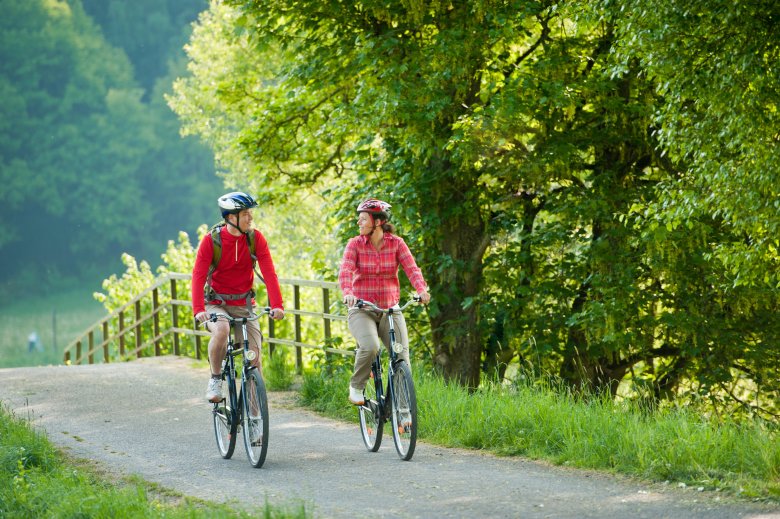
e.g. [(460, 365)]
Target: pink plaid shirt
[(372, 275)]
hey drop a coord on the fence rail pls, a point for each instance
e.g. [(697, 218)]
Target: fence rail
[(157, 316)]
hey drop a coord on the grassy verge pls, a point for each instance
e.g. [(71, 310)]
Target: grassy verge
[(544, 423), (36, 480)]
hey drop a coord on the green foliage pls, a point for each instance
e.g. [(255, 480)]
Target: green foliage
[(150, 32), (582, 199), (138, 278), (119, 291), (277, 371), (721, 120), (326, 393), (86, 154)]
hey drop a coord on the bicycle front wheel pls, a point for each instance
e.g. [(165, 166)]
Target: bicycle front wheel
[(225, 426), (371, 417), (255, 418), (404, 404)]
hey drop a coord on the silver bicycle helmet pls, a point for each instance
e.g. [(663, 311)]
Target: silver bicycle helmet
[(233, 203)]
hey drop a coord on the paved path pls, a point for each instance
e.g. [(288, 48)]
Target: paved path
[(148, 417)]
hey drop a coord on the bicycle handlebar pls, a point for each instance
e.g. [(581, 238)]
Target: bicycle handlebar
[(360, 304)]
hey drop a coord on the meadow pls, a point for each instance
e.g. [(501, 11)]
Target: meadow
[(57, 318)]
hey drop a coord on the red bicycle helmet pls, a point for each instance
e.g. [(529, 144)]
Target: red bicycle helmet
[(375, 208)]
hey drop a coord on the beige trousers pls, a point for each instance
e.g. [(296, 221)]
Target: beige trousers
[(221, 329), (369, 327)]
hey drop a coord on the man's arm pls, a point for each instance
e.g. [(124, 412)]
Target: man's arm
[(266, 264)]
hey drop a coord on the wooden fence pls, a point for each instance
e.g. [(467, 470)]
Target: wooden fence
[(159, 321)]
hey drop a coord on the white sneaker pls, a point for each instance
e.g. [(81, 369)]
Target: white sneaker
[(214, 391), (356, 396)]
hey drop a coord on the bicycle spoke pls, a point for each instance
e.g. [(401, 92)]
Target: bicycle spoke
[(224, 429), (371, 419), (255, 429), (404, 413)]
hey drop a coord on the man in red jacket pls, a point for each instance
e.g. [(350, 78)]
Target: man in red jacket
[(227, 288)]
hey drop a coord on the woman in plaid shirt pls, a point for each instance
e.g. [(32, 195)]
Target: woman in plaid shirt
[(369, 271)]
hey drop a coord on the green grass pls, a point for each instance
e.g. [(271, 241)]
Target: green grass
[(58, 319), (36, 480), (278, 371), (548, 423)]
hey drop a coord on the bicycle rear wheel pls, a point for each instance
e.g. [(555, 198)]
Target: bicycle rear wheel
[(225, 419), (371, 417), (255, 418), (404, 417)]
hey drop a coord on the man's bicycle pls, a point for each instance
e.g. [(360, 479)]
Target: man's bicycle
[(397, 403), (247, 409)]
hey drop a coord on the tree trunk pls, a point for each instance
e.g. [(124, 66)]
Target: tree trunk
[(457, 281)]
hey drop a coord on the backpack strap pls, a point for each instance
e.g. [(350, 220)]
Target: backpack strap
[(209, 294)]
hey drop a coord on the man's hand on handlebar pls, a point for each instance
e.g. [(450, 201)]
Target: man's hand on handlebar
[(277, 314), (202, 317)]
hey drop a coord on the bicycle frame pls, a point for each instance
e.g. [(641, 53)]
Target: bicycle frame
[(376, 367), (236, 410), (387, 405), (229, 364)]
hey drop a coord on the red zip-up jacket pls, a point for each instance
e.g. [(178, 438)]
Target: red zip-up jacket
[(235, 272)]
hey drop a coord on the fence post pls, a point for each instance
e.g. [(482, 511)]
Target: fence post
[(156, 321), (175, 317), (298, 350), (325, 320), (90, 355), (105, 342), (138, 340), (121, 334), (78, 352)]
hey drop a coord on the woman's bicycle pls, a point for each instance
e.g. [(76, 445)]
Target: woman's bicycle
[(397, 402), (247, 409)]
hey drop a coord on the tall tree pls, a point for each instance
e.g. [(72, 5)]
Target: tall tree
[(68, 94), (83, 158), (715, 66), (524, 141), (151, 32)]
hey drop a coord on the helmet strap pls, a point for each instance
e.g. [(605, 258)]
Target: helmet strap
[(228, 222)]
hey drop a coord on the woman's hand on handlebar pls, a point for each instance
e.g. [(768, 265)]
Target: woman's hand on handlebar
[(425, 297), (350, 300)]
